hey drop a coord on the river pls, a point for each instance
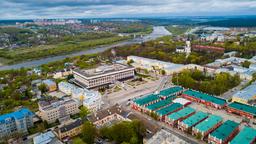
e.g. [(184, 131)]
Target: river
[(158, 31)]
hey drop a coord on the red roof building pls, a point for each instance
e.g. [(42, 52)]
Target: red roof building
[(208, 48)]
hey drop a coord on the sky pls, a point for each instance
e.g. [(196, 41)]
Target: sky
[(31, 9)]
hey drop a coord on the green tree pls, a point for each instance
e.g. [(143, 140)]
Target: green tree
[(84, 111), (88, 132), (43, 88), (246, 64)]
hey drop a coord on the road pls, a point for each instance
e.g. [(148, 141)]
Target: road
[(158, 31), (228, 95)]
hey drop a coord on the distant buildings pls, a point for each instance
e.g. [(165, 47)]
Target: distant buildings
[(69, 129), (103, 75), (55, 110), (184, 49), (207, 48), (16, 122), (89, 98), (50, 84), (245, 95)]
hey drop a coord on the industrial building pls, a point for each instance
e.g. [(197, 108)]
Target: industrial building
[(158, 105), (16, 122), (190, 122), (162, 113), (205, 99), (180, 115), (224, 133), (245, 95), (246, 136), (207, 126), (103, 75), (242, 109)]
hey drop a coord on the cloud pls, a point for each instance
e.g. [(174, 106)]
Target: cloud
[(26, 9)]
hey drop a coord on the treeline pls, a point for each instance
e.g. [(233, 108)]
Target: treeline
[(125, 132), (164, 51), (197, 80)]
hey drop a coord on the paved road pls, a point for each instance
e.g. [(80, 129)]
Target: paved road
[(158, 31), (228, 95)]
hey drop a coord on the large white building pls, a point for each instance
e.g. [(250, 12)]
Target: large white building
[(103, 75), (89, 98), (168, 67), (184, 49), (55, 110), (245, 95)]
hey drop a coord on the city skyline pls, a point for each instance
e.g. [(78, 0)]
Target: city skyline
[(31, 9)]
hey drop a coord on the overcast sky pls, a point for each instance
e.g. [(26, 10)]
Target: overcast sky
[(29, 9)]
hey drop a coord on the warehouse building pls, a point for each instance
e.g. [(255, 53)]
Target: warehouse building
[(180, 115), (207, 126), (190, 122), (158, 105), (205, 99), (224, 133), (141, 103), (242, 110), (103, 75), (245, 95), (162, 113), (245, 136)]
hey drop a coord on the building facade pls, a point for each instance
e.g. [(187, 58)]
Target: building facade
[(103, 75), (52, 111), (16, 122), (69, 129)]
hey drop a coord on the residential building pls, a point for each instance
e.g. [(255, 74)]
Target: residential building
[(190, 122), (16, 122), (108, 116), (245, 95), (246, 136), (103, 75), (184, 49), (205, 99), (88, 98), (242, 110), (207, 126), (46, 138), (69, 129), (207, 48), (224, 133), (54, 110), (50, 84)]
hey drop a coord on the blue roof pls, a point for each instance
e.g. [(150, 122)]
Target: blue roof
[(16, 115)]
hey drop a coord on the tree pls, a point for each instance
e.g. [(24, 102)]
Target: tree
[(88, 132), (163, 72), (246, 64), (84, 111), (43, 88)]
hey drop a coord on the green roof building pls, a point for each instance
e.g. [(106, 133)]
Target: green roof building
[(193, 120), (170, 91), (205, 98), (169, 109), (242, 109), (159, 104), (246, 136), (225, 132), (181, 114), (147, 99), (208, 125)]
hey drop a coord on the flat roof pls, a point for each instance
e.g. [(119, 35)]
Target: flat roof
[(169, 109), (205, 97), (194, 119), (181, 113), (208, 123), (159, 104), (224, 130), (243, 107), (147, 99), (245, 136), (103, 69), (247, 93)]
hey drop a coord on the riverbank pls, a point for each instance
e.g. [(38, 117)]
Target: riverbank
[(158, 31)]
